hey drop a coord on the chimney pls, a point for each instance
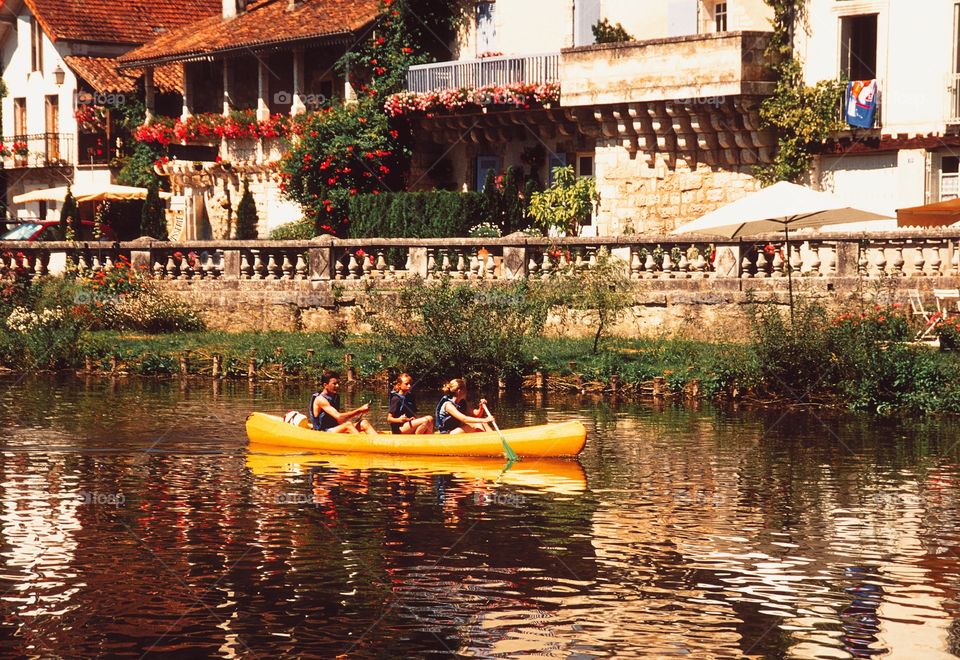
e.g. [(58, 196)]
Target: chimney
[(229, 8)]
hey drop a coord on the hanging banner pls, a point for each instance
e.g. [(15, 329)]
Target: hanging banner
[(861, 103)]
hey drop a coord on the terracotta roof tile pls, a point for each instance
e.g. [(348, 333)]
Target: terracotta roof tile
[(265, 22), (102, 75), (118, 21)]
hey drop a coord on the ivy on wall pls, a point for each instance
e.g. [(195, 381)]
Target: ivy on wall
[(802, 115)]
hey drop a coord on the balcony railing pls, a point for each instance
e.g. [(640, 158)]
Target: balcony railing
[(42, 150), (953, 99), (532, 69)]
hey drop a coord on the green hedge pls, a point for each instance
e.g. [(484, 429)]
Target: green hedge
[(436, 214)]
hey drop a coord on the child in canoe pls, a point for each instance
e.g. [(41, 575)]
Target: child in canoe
[(324, 411), (452, 409), (402, 414)]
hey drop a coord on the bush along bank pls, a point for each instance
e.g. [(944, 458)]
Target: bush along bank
[(861, 359)]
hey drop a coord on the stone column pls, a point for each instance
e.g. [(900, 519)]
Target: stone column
[(227, 86), (321, 259), (187, 93), (263, 91), (298, 107), (514, 262), (150, 95), (848, 258)]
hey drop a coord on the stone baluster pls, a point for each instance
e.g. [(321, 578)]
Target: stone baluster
[(342, 267), (954, 259), (936, 262), (461, 266), (700, 266), (635, 264), (474, 266), (354, 269), (431, 261), (82, 264), (815, 261), (592, 260), (829, 256), (445, 262), (578, 263), (776, 264), (95, 266), (746, 267), (881, 260), (272, 267), (244, 266), (796, 261), (533, 268), (257, 268), (107, 263), (683, 267), (762, 264), (547, 269), (286, 267), (919, 261), (407, 265), (898, 262), (649, 266), (863, 262), (490, 267), (367, 266), (381, 268)]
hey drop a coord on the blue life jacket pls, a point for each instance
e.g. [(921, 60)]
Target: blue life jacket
[(405, 407), (445, 421), (323, 421)]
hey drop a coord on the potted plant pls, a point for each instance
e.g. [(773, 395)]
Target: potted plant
[(947, 329)]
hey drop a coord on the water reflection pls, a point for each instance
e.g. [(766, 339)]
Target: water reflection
[(133, 519)]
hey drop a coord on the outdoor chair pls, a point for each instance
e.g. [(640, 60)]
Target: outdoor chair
[(917, 309), (944, 298)]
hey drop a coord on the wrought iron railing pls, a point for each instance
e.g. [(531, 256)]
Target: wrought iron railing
[(531, 69), (40, 150)]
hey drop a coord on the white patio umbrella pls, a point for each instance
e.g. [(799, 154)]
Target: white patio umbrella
[(88, 193), (780, 207)]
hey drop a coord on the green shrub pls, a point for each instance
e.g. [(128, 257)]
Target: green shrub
[(605, 33), (247, 215), (441, 330), (152, 221), (294, 231), (437, 214)]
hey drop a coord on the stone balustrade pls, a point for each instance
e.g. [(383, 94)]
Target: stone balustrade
[(928, 254)]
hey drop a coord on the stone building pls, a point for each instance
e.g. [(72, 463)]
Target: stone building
[(911, 155), (264, 57), (668, 123), (58, 57)]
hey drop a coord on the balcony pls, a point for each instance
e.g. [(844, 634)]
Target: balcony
[(695, 69), (42, 150), (531, 69), (953, 99)]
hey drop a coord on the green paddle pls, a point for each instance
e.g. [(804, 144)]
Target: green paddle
[(507, 449)]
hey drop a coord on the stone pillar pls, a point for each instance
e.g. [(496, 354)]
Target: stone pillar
[(848, 257), (263, 91), (514, 263), (727, 262), (418, 261), (321, 262), (227, 87), (187, 93), (298, 107), (150, 95), (231, 264)]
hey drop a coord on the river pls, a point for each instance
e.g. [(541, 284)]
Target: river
[(134, 521)]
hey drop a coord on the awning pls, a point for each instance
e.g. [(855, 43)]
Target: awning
[(85, 194), (941, 214)]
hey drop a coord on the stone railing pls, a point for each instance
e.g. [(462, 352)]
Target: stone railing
[(928, 254)]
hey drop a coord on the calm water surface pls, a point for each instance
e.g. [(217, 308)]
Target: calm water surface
[(134, 521)]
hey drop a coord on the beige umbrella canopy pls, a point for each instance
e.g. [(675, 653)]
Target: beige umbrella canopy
[(781, 207), (85, 194)]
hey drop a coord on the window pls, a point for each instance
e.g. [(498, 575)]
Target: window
[(720, 16), (555, 160), (858, 47), (585, 168), (949, 178), (36, 45), (486, 28), (20, 116), (586, 15)]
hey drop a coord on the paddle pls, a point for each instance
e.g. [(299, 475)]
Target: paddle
[(507, 449)]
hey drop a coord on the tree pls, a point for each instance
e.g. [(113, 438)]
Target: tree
[(602, 292), (247, 215), (605, 33), (566, 204), (152, 221), (69, 217)]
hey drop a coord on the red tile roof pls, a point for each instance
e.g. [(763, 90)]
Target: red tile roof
[(264, 23), (118, 21), (102, 75)]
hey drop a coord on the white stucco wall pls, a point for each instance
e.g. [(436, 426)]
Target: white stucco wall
[(35, 85), (540, 26), (914, 52)]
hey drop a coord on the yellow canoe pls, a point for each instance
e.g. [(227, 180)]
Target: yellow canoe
[(551, 475), (548, 440)]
